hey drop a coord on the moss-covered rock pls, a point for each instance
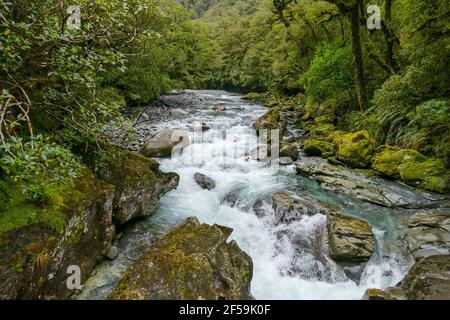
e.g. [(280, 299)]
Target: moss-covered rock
[(428, 279), (270, 120), (193, 261), (289, 150), (387, 162), (38, 242), (138, 180), (430, 174), (313, 147), (253, 96), (322, 130), (328, 118), (413, 168), (355, 149)]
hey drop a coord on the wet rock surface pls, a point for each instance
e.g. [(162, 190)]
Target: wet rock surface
[(288, 207), (193, 261), (428, 234), (204, 181), (371, 189)]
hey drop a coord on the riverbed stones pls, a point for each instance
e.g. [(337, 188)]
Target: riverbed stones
[(191, 262), (313, 147), (112, 252), (428, 234), (204, 181), (162, 143), (370, 189), (260, 153), (350, 239), (288, 207)]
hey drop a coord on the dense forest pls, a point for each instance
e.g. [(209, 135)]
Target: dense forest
[(65, 89)]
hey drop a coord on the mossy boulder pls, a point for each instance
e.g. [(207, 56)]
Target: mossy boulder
[(324, 119), (387, 162), (39, 242), (253, 96), (289, 150), (270, 120), (193, 261), (428, 279), (414, 169), (430, 174), (350, 239), (138, 180), (320, 148), (322, 130), (355, 149)]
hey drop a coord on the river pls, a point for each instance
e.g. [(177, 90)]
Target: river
[(290, 260)]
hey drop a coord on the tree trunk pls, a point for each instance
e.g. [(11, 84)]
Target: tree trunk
[(358, 64), (389, 37)]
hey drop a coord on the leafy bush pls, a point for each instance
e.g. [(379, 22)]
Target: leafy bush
[(330, 76)]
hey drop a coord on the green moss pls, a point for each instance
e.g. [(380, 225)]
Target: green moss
[(319, 148), (355, 149), (322, 130), (430, 174), (387, 162), (328, 118), (253, 96)]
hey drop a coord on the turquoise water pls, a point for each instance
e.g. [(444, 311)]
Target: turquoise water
[(290, 261)]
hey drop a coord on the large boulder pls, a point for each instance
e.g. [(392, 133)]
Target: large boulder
[(289, 150), (138, 180), (162, 143), (350, 239), (270, 120), (39, 242), (313, 147), (428, 279), (355, 149), (289, 207), (413, 168), (428, 234), (191, 262), (367, 188)]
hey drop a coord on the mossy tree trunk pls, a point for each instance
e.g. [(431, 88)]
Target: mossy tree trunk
[(358, 63)]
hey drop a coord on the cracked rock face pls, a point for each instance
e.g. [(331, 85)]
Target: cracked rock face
[(429, 234), (350, 239)]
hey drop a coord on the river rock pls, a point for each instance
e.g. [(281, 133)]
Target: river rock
[(355, 149), (428, 234), (285, 161), (191, 262), (371, 189), (289, 150), (219, 108), (350, 239), (112, 252), (414, 169), (162, 143), (288, 207), (428, 279), (178, 111), (205, 127), (138, 180), (204, 182), (231, 199), (260, 153)]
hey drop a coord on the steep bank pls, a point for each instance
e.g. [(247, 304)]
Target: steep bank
[(77, 227)]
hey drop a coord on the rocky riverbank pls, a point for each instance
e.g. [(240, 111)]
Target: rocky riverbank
[(76, 229), (352, 164)]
